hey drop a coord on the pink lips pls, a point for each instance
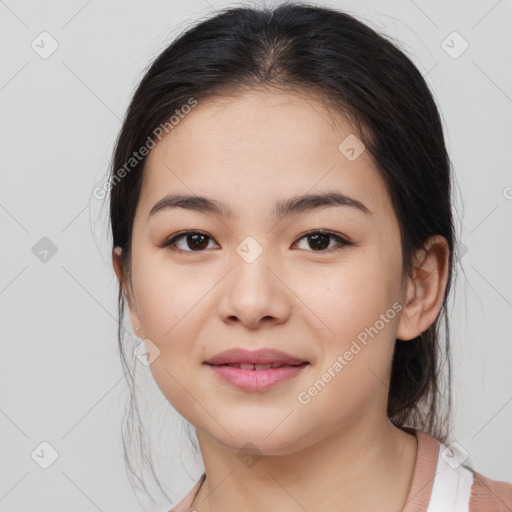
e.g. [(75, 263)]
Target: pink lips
[(250, 371)]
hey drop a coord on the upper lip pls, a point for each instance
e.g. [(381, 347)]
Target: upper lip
[(260, 356)]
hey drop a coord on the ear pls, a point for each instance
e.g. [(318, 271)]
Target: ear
[(118, 268), (425, 290)]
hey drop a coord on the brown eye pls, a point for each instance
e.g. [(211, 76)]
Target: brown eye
[(193, 241), (319, 241)]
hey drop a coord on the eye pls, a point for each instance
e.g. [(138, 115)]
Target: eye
[(320, 239), (197, 240)]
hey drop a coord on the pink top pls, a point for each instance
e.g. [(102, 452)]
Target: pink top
[(439, 484)]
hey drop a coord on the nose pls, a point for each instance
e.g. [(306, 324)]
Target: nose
[(255, 293)]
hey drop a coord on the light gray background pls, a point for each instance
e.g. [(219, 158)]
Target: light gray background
[(60, 375)]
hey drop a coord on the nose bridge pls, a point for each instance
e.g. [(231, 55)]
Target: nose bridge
[(253, 291), (250, 250), (251, 261)]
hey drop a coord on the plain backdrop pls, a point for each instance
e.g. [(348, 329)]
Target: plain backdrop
[(61, 382)]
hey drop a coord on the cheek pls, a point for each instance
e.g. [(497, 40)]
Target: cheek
[(359, 303), (168, 303), (166, 298), (351, 296)]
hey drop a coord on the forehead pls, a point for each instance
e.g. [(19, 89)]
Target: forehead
[(257, 148)]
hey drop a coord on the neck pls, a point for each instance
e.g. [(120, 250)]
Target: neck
[(355, 470)]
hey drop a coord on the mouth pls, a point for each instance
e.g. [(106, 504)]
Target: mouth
[(256, 370)]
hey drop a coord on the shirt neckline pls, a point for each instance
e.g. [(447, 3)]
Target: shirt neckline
[(420, 490)]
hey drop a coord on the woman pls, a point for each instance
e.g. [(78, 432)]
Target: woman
[(283, 236)]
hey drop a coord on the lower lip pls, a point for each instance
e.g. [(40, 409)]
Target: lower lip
[(256, 380)]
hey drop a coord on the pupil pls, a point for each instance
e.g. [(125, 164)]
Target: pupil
[(195, 237), (321, 245)]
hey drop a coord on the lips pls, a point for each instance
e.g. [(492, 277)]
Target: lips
[(261, 359)]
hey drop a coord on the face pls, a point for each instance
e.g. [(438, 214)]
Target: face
[(254, 279)]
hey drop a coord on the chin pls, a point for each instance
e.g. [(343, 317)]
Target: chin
[(260, 440)]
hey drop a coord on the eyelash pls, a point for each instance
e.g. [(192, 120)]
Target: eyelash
[(339, 239)]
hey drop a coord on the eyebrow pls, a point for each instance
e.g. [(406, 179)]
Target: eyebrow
[(284, 208)]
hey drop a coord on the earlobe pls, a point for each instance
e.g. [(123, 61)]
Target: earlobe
[(134, 317), (425, 290), (118, 268), (116, 262)]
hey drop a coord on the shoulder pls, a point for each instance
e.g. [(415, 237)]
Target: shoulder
[(442, 481), (184, 504), (487, 494)]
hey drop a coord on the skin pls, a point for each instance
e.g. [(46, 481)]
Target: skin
[(339, 451)]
